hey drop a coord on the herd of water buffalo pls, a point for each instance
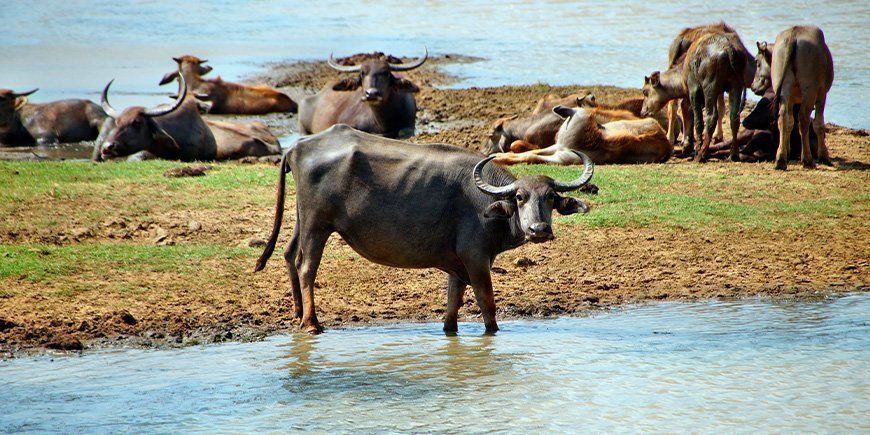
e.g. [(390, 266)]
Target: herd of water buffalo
[(445, 207)]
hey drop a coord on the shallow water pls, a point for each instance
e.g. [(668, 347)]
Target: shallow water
[(71, 48), (750, 365)]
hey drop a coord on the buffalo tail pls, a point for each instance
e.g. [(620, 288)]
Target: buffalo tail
[(279, 214)]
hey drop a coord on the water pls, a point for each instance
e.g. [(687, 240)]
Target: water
[(746, 366), (72, 48)]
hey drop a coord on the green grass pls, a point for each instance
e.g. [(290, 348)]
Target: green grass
[(41, 263), (693, 196)]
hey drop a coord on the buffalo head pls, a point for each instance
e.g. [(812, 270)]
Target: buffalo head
[(188, 66), (761, 82), (10, 102), (654, 95), (135, 127), (529, 201), (376, 78)]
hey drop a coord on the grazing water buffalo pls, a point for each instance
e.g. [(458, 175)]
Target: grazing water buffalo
[(177, 132), (626, 141), (23, 123), (539, 130), (411, 206), (716, 62), (227, 97), (800, 69), (375, 101)]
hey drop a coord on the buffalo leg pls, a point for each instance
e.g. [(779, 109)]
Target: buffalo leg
[(455, 290), (481, 282), (312, 252), (672, 121), (735, 98), (719, 134), (819, 128), (293, 260), (688, 125), (709, 124), (803, 116), (785, 121)]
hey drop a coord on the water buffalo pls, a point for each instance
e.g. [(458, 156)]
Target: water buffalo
[(676, 55), (235, 141), (716, 62), (375, 100), (177, 132), (228, 97), (411, 206), (23, 123), (538, 130), (800, 69), (626, 141), (759, 139)]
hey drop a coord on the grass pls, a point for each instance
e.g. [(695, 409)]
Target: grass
[(38, 197)]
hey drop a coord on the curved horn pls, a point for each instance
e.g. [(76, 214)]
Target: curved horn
[(412, 65), (202, 61), (104, 101), (24, 94), (489, 188), (178, 101), (588, 169), (341, 68)]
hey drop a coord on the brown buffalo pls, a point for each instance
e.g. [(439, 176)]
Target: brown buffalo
[(177, 132), (228, 97), (800, 69), (23, 123), (624, 141), (539, 130), (375, 100), (715, 62), (235, 141)]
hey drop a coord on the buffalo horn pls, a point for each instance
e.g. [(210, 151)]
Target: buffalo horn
[(178, 101), (588, 169), (24, 94), (104, 101), (411, 65), (341, 68), (489, 188)]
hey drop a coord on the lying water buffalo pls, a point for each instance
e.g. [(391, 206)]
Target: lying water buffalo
[(538, 130), (235, 141), (626, 141), (23, 123), (716, 62), (177, 132), (800, 69), (411, 206), (227, 97), (375, 101), (759, 139)]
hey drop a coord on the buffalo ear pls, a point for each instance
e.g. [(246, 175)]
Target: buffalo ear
[(168, 77), (566, 205), (500, 210), (762, 45), (655, 79), (346, 84), (405, 85), (20, 102), (564, 112)]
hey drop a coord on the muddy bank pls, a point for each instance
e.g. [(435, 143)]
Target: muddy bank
[(583, 269)]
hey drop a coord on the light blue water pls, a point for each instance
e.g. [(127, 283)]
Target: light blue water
[(737, 366), (72, 48)]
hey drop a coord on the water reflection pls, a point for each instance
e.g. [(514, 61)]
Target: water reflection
[(747, 365)]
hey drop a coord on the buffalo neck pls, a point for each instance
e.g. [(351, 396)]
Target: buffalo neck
[(672, 82)]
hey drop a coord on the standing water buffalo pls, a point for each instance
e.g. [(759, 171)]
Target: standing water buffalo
[(375, 101), (622, 141), (176, 132), (715, 62), (227, 97), (411, 206), (800, 69), (23, 123)]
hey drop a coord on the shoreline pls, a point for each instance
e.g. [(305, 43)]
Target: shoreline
[(589, 267)]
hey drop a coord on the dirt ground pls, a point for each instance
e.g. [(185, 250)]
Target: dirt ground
[(582, 269)]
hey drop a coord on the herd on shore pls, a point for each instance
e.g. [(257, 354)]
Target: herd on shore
[(792, 74)]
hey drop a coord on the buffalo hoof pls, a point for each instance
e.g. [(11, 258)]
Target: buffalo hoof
[(781, 165), (826, 161), (809, 164), (734, 157), (312, 328), (700, 158)]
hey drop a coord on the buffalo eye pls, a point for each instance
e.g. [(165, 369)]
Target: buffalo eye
[(520, 197), (551, 196)]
